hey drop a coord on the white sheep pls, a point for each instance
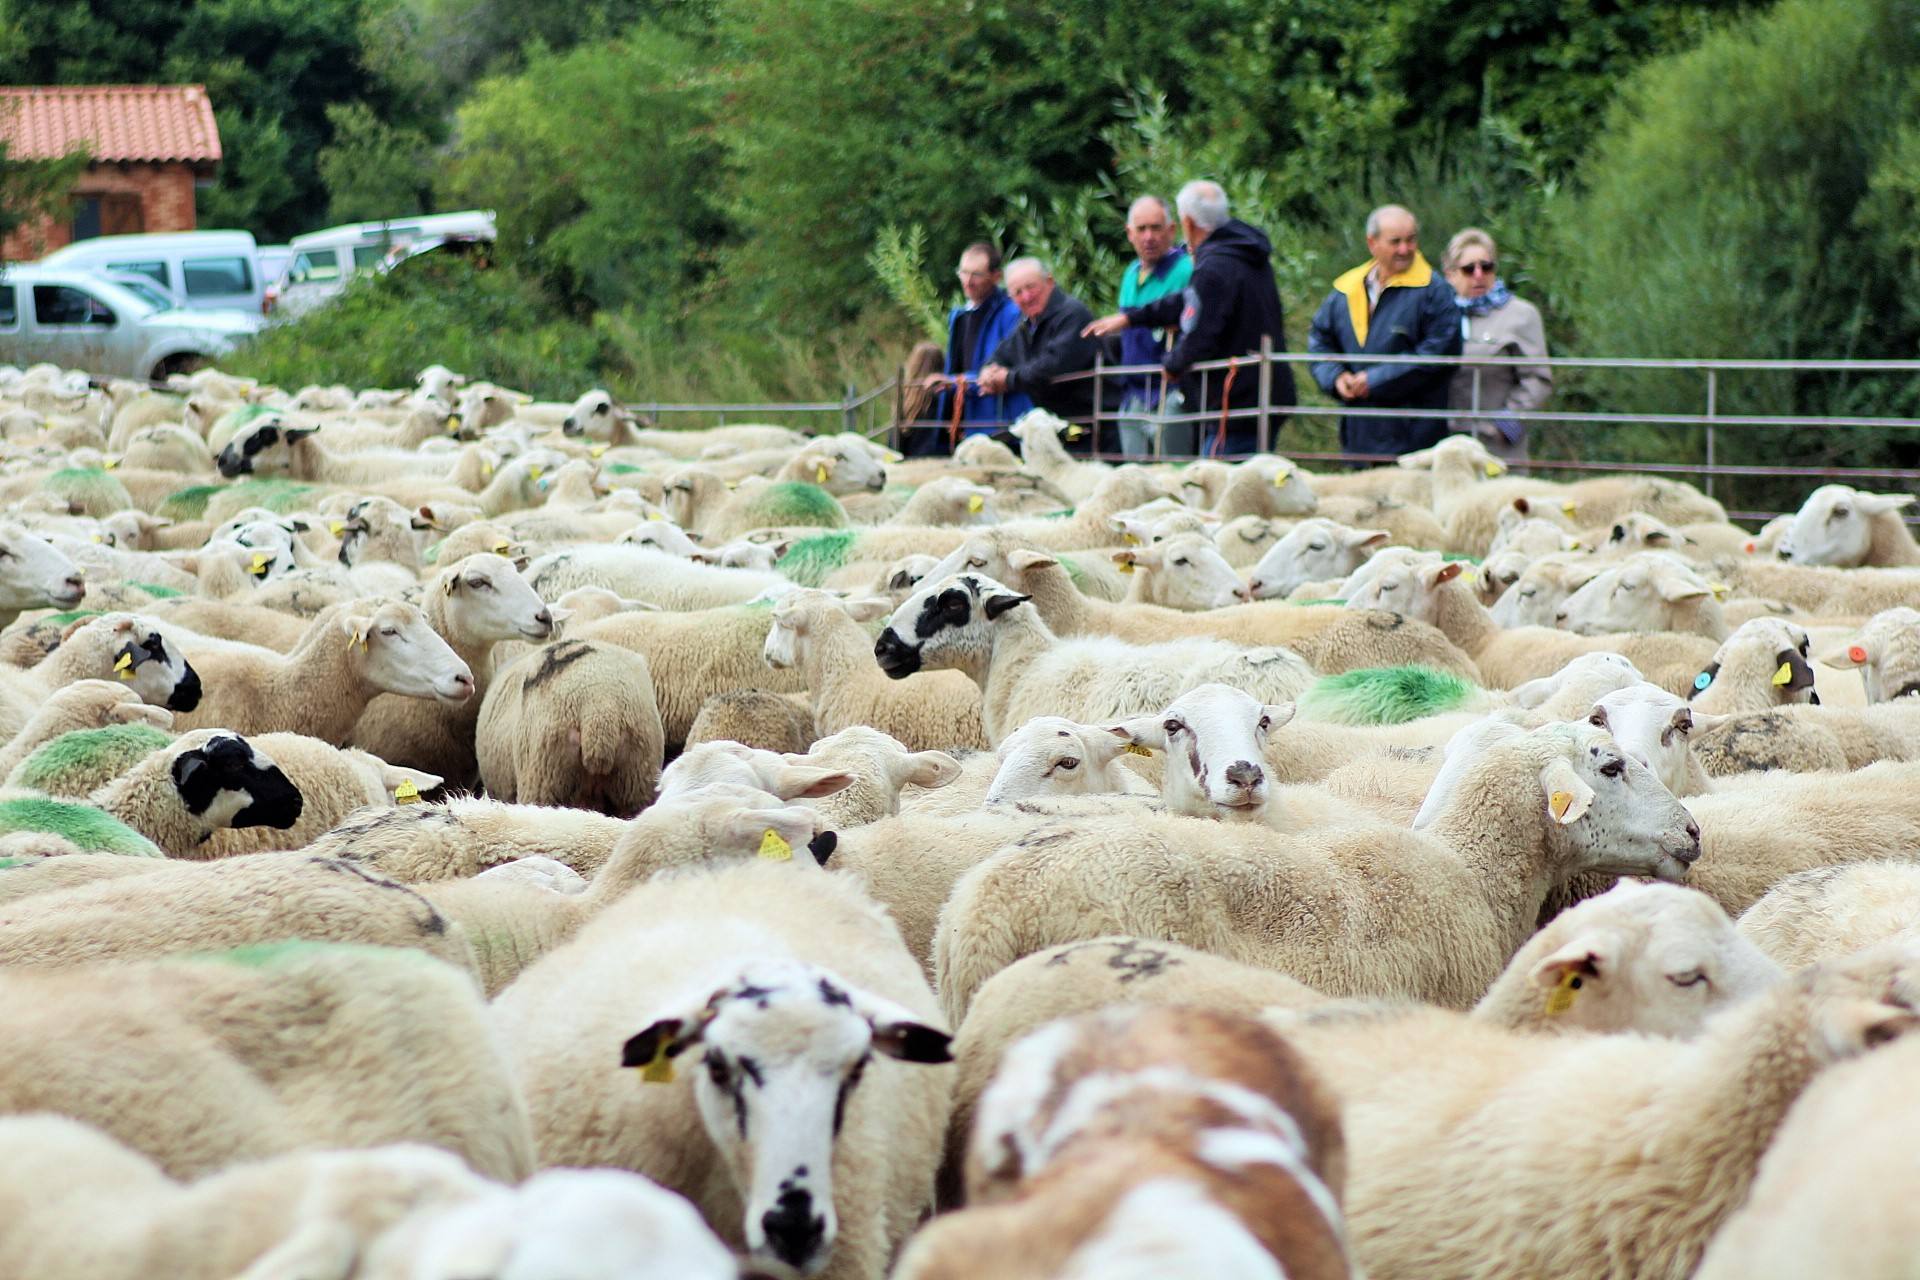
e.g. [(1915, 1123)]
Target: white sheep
[(1432, 913), (1467, 1160), (949, 500), (1806, 739), (1215, 740), (1846, 527), (1648, 591), (78, 707), (206, 780), (810, 1131), (974, 624), (1053, 756), (1314, 550), (128, 649), (1886, 651), (1041, 452), (1824, 913), (198, 1062), (639, 573), (820, 634), (1184, 571), (572, 723), (755, 718)]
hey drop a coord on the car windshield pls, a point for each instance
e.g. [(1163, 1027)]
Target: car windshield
[(146, 293)]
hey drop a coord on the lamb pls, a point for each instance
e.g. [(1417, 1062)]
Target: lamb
[(1330, 638), (81, 705), (1824, 913), (1652, 958), (349, 654), (197, 1063), (471, 605), (821, 635), (572, 723), (1461, 1165), (694, 656), (1313, 550), (1440, 909), (1845, 527), (974, 624), (755, 718), (1829, 1196), (1432, 591), (248, 1219), (799, 990), (1150, 1141), (1534, 595), (1650, 591)]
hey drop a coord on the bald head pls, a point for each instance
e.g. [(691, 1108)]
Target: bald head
[(1393, 238)]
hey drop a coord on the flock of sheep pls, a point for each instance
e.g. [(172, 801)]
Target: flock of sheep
[(447, 836)]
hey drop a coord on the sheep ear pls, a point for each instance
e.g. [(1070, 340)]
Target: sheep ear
[(745, 832), (394, 777), (997, 605), (1850, 1026), (1447, 572), (1676, 588), (1585, 957), (298, 433), (897, 1030), (868, 608), (322, 1248), (1879, 503), (1278, 713), (1142, 731), (1847, 655), (1704, 720), (1416, 460), (1364, 537), (799, 782), (1568, 795), (1021, 561), (663, 1039), (932, 769), (1521, 505)]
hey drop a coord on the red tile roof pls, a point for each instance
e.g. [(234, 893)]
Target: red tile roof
[(148, 122)]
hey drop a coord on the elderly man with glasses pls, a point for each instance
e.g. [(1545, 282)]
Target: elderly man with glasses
[(975, 330), (1494, 323), (1393, 304)]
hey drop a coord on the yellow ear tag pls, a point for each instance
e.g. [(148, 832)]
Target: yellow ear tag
[(500, 547), (1560, 999), (536, 472), (1126, 566), (1280, 479), (660, 1070), (1560, 802), (820, 473), (1074, 433), (1574, 545), (976, 504), (1130, 539), (124, 667), (109, 464), (1568, 508), (336, 527), (357, 638), (1494, 469), (774, 849), (1784, 675), (486, 470), (733, 484), (596, 450), (406, 793), (260, 562), (454, 422), (98, 538), (1135, 749), (1719, 590)]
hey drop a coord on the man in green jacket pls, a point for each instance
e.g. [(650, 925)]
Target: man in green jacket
[(1164, 267)]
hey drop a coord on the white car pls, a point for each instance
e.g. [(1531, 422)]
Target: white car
[(79, 320), (323, 261)]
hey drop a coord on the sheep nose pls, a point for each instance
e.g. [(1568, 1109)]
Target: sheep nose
[(1244, 773), (1243, 593), (794, 1233), (1253, 587), (1559, 615), (462, 687), (544, 618), (1693, 852)]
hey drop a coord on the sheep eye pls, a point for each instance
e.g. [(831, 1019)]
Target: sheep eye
[(1613, 768), (976, 564), (389, 631), (1069, 762), (1840, 513), (1526, 593), (1316, 546), (1182, 562), (1598, 718), (717, 1069), (1173, 726), (1689, 979)]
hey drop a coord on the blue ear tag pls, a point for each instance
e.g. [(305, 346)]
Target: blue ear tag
[(1702, 680)]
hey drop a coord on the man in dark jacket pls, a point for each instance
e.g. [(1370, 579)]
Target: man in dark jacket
[(1046, 344), (1392, 304), (1227, 307)]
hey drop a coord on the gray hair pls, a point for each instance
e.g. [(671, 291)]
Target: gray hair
[(1029, 261), (1386, 210), (1205, 203), (1166, 210)]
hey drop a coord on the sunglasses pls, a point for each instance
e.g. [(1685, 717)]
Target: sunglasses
[(1477, 268)]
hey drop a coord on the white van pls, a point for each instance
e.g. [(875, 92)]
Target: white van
[(199, 270), (323, 261)]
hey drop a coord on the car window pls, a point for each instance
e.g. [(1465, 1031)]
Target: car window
[(58, 304), (205, 276), (147, 294), (9, 308), (157, 270), (308, 267), (368, 256)]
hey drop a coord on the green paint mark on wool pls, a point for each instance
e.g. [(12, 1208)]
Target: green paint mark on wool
[(234, 420), (623, 469), (266, 955), (79, 482), (1304, 603), (809, 560), (188, 504), (432, 554), (1074, 571), (276, 495), (156, 591), (7, 864), (99, 753), (1385, 695), (91, 830), (1448, 555), (70, 617), (792, 502)]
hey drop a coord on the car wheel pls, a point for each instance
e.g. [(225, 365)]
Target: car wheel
[(183, 363)]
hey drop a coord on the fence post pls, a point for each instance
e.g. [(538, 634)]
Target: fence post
[(1713, 388), (897, 433), (1265, 443), (1099, 400), (847, 411)]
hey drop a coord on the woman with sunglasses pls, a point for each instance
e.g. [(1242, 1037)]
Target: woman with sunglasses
[(1494, 323)]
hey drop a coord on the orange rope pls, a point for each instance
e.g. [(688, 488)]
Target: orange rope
[(959, 408), (1226, 404)]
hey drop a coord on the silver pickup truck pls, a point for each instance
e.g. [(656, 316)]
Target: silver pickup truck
[(79, 320)]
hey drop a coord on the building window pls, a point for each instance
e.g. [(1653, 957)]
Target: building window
[(107, 215), (213, 277)]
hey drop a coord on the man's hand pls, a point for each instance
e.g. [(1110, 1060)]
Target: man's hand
[(1357, 389), (1105, 325), (1343, 385), (936, 381), (993, 379)]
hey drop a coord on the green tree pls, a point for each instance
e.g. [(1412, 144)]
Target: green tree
[(33, 188), (373, 169)]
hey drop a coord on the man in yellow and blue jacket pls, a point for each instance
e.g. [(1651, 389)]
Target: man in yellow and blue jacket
[(1393, 304)]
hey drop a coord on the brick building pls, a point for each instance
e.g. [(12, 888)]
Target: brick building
[(148, 146)]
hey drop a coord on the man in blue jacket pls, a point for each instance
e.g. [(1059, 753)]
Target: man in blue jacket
[(1393, 304), (973, 332)]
